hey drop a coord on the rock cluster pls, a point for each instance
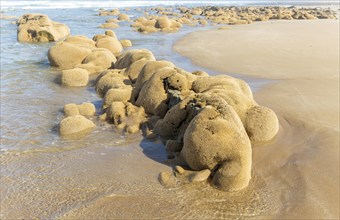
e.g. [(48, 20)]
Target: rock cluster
[(156, 23), (112, 12), (3, 16), (76, 122), (171, 19), (208, 121), (112, 22), (247, 15), (39, 28), (79, 56)]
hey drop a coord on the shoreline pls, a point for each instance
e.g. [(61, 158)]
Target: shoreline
[(307, 105)]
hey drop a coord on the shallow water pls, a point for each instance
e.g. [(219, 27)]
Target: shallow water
[(105, 174)]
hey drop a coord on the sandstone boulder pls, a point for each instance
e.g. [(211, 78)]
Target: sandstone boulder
[(71, 52), (39, 28), (261, 123), (85, 109), (123, 17), (126, 116), (75, 126), (126, 43), (132, 56), (109, 25), (216, 140), (100, 57), (111, 43), (111, 12), (111, 79), (74, 77), (149, 69)]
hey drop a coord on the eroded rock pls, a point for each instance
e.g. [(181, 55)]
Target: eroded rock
[(74, 126), (39, 28), (74, 77)]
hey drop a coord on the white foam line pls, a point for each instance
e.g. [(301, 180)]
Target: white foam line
[(50, 4)]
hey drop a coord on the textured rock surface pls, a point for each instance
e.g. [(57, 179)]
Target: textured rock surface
[(75, 125), (39, 28), (74, 77)]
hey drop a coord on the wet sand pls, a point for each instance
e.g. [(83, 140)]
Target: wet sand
[(302, 165)]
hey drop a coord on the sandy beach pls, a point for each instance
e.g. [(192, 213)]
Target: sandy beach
[(302, 57)]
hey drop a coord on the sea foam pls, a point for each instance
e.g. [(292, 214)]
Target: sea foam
[(119, 4)]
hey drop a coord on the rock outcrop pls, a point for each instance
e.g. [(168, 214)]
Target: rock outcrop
[(208, 121), (79, 56), (39, 28), (171, 19)]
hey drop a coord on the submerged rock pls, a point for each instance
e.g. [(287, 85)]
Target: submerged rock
[(109, 25)]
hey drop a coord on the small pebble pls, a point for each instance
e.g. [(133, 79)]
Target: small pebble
[(179, 169), (200, 176), (167, 179)]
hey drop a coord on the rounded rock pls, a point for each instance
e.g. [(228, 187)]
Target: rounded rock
[(75, 125), (261, 123), (74, 77)]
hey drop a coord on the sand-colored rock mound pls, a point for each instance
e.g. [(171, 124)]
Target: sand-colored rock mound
[(75, 126), (134, 69), (234, 91), (39, 28), (111, 79), (74, 77), (168, 20), (120, 94), (174, 122), (126, 43), (71, 52), (94, 56), (132, 56), (261, 123), (123, 17), (216, 137), (126, 116), (156, 23), (172, 78), (111, 12), (85, 109), (100, 57), (111, 43), (109, 25), (146, 72), (207, 121)]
